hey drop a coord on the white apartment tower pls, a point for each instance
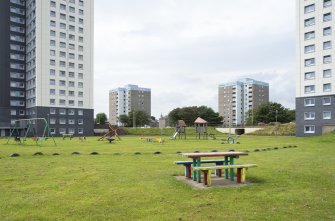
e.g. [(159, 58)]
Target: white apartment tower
[(123, 100), (59, 64), (237, 98), (315, 91)]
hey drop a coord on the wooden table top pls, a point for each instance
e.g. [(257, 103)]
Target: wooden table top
[(214, 154)]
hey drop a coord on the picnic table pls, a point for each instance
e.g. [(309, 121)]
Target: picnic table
[(228, 160), (67, 136)]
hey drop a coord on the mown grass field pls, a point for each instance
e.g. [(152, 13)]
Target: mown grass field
[(288, 184)]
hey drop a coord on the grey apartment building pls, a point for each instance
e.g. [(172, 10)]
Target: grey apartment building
[(123, 100), (46, 65), (315, 91), (237, 98)]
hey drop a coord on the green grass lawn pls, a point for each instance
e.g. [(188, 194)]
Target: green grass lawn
[(288, 184)]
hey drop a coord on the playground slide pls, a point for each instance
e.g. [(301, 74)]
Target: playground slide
[(174, 135)]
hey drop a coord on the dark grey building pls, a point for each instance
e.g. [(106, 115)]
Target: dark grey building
[(12, 63)]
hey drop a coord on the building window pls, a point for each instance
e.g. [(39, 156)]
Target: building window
[(52, 110), (62, 130), (326, 115), (52, 130), (327, 73), (309, 8), (52, 43), (71, 130), (52, 71), (62, 35), (62, 7), (309, 115), (62, 102), (62, 83), (62, 121), (310, 75), (71, 102), (52, 4), (309, 35), (72, 9), (71, 121), (71, 112), (80, 130), (327, 17), (62, 44), (52, 82), (13, 113), (62, 74), (80, 121), (80, 84), (62, 63), (71, 74), (310, 89), (62, 92), (52, 92), (327, 45), (80, 103), (327, 87), (310, 129), (71, 93), (326, 101), (52, 101), (81, 12), (71, 83), (309, 49), (52, 14), (52, 121), (327, 59), (52, 53), (309, 62), (80, 94), (309, 22), (62, 16), (52, 23), (62, 111), (327, 31), (80, 112), (327, 3)]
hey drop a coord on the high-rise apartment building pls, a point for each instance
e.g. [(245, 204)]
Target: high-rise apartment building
[(123, 100), (237, 98), (315, 91), (47, 63)]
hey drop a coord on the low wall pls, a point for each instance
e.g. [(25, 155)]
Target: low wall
[(247, 130)]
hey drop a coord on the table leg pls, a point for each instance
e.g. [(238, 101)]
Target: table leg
[(232, 170), (205, 176), (188, 171), (194, 173), (219, 171), (226, 162), (199, 171)]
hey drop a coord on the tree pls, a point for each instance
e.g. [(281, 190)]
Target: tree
[(100, 118), (270, 112), (142, 118), (190, 114), (124, 119)]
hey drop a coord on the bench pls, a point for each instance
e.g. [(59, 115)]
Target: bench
[(241, 171), (188, 164), (67, 136)]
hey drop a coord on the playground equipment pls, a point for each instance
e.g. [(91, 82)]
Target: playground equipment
[(180, 130), (200, 128), (111, 132), (37, 128)]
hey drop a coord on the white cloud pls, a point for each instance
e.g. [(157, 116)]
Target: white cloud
[(184, 49)]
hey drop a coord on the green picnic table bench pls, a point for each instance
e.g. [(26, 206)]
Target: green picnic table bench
[(67, 136), (241, 171), (188, 164)]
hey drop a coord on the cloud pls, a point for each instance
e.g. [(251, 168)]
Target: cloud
[(184, 49)]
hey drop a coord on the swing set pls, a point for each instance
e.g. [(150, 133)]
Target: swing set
[(27, 128)]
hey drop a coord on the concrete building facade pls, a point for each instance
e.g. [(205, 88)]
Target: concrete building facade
[(123, 100), (58, 70), (236, 99), (315, 91)]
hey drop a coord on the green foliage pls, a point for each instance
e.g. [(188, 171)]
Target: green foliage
[(190, 114), (124, 119), (100, 118), (270, 112), (141, 118), (277, 130)]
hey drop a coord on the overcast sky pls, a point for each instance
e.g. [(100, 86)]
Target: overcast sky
[(183, 49)]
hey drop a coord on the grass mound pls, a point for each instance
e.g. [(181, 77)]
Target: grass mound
[(276, 130)]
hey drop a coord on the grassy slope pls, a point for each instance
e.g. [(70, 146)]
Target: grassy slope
[(290, 184)]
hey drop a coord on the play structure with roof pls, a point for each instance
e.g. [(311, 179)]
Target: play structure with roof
[(180, 130), (201, 128)]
